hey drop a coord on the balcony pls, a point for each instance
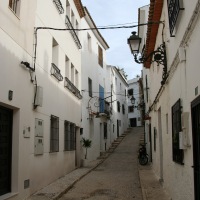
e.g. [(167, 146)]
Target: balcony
[(73, 32), (55, 71), (104, 108), (59, 6), (72, 88)]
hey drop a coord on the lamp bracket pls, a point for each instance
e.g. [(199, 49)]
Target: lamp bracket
[(158, 56)]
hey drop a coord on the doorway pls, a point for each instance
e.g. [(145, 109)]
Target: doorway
[(6, 116), (133, 122), (195, 111)]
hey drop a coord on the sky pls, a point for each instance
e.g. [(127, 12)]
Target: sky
[(117, 12)]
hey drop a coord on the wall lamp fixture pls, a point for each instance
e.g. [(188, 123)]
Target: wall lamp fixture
[(158, 56), (132, 99)]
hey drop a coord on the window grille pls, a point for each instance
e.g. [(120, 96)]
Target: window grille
[(73, 32), (90, 87), (55, 71), (100, 56), (174, 7), (59, 6), (54, 135), (14, 5), (123, 109), (131, 109), (105, 131), (72, 88), (178, 154), (130, 92), (70, 137), (118, 106)]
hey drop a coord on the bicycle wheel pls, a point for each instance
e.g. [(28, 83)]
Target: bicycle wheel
[(143, 160)]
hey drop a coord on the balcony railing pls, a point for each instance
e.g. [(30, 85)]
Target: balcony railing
[(59, 6), (72, 88), (73, 32), (104, 107), (55, 71)]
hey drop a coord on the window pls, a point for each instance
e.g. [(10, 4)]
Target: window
[(131, 109), (123, 109), (72, 73), (101, 99), (76, 79), (55, 51), (154, 137), (90, 87), (167, 124), (174, 7), (176, 128), (14, 5), (118, 106), (54, 135), (67, 64), (105, 131), (67, 8), (100, 56), (70, 137), (89, 43), (130, 92), (147, 96)]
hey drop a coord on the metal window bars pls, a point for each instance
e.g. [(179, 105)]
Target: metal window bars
[(72, 88), (59, 6), (56, 72), (73, 32)]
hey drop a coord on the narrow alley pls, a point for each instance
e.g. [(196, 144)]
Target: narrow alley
[(116, 178)]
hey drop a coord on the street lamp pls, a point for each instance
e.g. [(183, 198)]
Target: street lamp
[(132, 99), (134, 42), (158, 56)]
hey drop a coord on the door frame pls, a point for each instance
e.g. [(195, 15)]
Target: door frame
[(10, 112)]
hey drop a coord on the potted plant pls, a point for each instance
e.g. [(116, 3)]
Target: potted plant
[(86, 143)]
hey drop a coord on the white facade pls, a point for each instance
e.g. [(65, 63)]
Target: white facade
[(134, 110), (94, 76), (119, 101), (37, 138), (101, 122), (174, 107)]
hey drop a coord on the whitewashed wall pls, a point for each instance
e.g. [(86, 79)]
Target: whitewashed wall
[(16, 45), (178, 179)]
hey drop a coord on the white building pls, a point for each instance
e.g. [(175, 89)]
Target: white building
[(119, 86), (103, 89), (174, 100), (95, 106), (40, 102), (134, 109)]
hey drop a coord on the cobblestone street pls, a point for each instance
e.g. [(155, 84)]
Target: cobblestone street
[(116, 178)]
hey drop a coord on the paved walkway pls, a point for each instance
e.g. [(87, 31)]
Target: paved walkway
[(151, 188)]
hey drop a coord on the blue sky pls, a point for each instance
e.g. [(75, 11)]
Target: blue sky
[(112, 12)]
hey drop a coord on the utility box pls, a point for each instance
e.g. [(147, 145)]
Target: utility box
[(39, 134), (39, 146), (39, 128)]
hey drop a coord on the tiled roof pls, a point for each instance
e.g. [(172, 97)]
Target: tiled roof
[(155, 11), (80, 8)]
